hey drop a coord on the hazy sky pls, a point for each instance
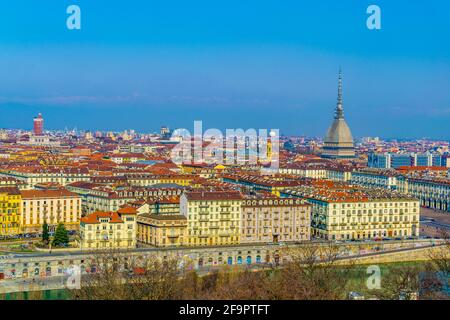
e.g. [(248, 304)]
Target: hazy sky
[(231, 63)]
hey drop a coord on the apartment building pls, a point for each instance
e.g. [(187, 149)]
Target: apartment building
[(52, 206), (272, 219), (109, 230), (357, 214), (35, 175), (164, 230), (375, 178), (306, 170), (432, 192), (9, 211), (213, 217)]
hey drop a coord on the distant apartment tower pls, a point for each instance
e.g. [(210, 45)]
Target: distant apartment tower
[(38, 126), (401, 160), (423, 160), (395, 160), (389, 160), (441, 161), (165, 132), (379, 160)]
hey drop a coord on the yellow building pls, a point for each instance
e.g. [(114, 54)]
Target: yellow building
[(109, 230), (9, 211), (164, 230), (213, 217)]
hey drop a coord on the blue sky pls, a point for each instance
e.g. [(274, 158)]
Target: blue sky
[(260, 64)]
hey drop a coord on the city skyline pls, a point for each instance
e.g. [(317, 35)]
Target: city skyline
[(231, 67), (238, 151), (157, 128)]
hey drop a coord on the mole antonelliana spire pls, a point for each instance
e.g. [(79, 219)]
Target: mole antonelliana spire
[(338, 143), (339, 105)]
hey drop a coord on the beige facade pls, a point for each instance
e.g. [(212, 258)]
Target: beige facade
[(347, 214), (275, 220), (367, 219), (339, 175), (52, 206), (109, 230), (162, 230), (305, 170), (34, 176), (213, 217)]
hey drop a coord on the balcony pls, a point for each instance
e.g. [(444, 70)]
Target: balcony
[(224, 234)]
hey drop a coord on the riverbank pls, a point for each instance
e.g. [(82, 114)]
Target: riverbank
[(357, 282)]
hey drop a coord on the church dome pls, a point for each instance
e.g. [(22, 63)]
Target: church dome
[(339, 132)]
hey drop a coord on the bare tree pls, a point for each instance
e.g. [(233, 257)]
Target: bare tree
[(314, 272), (402, 282), (119, 276), (434, 282)]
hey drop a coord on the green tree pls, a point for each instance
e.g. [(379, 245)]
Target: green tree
[(45, 235), (61, 236)]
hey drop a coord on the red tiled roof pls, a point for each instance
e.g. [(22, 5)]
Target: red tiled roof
[(213, 195), (31, 194), (94, 217), (127, 210)]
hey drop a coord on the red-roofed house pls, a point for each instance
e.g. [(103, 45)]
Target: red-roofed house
[(107, 230)]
